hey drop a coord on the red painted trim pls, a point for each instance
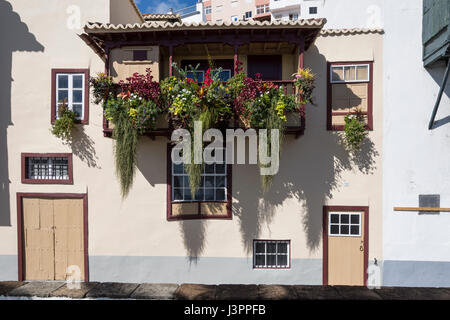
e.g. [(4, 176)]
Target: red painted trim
[(86, 73), (20, 252), (169, 202), (170, 60), (268, 268), (45, 181), (369, 112), (326, 210)]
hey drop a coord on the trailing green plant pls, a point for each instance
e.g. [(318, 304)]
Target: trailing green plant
[(126, 137), (190, 100), (65, 123), (354, 131)]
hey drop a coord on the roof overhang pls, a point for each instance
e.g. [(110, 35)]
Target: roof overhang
[(108, 36)]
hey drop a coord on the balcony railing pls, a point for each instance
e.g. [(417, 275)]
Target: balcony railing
[(295, 124)]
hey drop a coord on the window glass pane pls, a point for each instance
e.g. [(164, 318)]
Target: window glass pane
[(260, 247), (209, 168), (63, 94), (334, 218), (271, 260), (77, 82), (260, 261), (334, 229), (209, 181), (282, 261), (209, 194), (355, 219), (220, 168), (349, 73), (337, 74), (344, 230), (178, 168), (345, 218), (78, 109), (186, 181), (177, 194), (77, 96), (282, 247), (199, 194), (187, 194), (362, 73), (271, 247), (178, 182), (220, 194), (220, 182), (63, 81), (355, 230)]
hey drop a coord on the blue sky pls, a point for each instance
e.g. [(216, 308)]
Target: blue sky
[(162, 6)]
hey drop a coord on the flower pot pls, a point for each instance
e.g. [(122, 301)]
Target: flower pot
[(293, 119)]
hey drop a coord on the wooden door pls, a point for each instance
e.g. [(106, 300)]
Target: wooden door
[(52, 238), (346, 248)]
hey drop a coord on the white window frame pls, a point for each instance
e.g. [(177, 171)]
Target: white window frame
[(335, 66), (350, 213), (70, 92), (276, 254), (208, 10), (250, 12), (204, 174), (263, 8)]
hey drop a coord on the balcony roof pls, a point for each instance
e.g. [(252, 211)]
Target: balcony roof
[(104, 36), (94, 27)]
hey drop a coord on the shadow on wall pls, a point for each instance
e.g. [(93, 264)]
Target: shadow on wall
[(83, 147), (310, 172), (15, 37), (437, 73)]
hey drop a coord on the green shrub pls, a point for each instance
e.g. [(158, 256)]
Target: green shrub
[(63, 126), (354, 131)]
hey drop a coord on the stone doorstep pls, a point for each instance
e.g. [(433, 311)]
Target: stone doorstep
[(195, 292), (38, 289), (112, 290), (407, 293), (237, 292), (80, 293), (158, 291), (8, 286), (276, 292)]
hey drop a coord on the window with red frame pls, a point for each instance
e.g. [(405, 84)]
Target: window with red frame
[(350, 87), (47, 168), (71, 85)]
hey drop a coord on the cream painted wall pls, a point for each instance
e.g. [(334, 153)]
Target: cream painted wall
[(315, 170), (123, 12)]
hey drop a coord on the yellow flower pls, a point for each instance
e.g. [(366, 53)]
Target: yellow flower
[(132, 112)]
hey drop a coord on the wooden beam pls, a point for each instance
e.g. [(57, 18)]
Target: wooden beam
[(421, 209)]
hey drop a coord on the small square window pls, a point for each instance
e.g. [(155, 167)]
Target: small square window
[(272, 254), (344, 224), (312, 10), (248, 15), (140, 55)]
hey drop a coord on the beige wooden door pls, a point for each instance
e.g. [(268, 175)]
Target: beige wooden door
[(346, 248), (53, 238)]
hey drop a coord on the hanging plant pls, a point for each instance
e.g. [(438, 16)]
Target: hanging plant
[(133, 112), (355, 131), (102, 86), (65, 124), (189, 100)]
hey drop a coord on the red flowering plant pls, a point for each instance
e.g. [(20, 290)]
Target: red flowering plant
[(256, 102), (189, 100)]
